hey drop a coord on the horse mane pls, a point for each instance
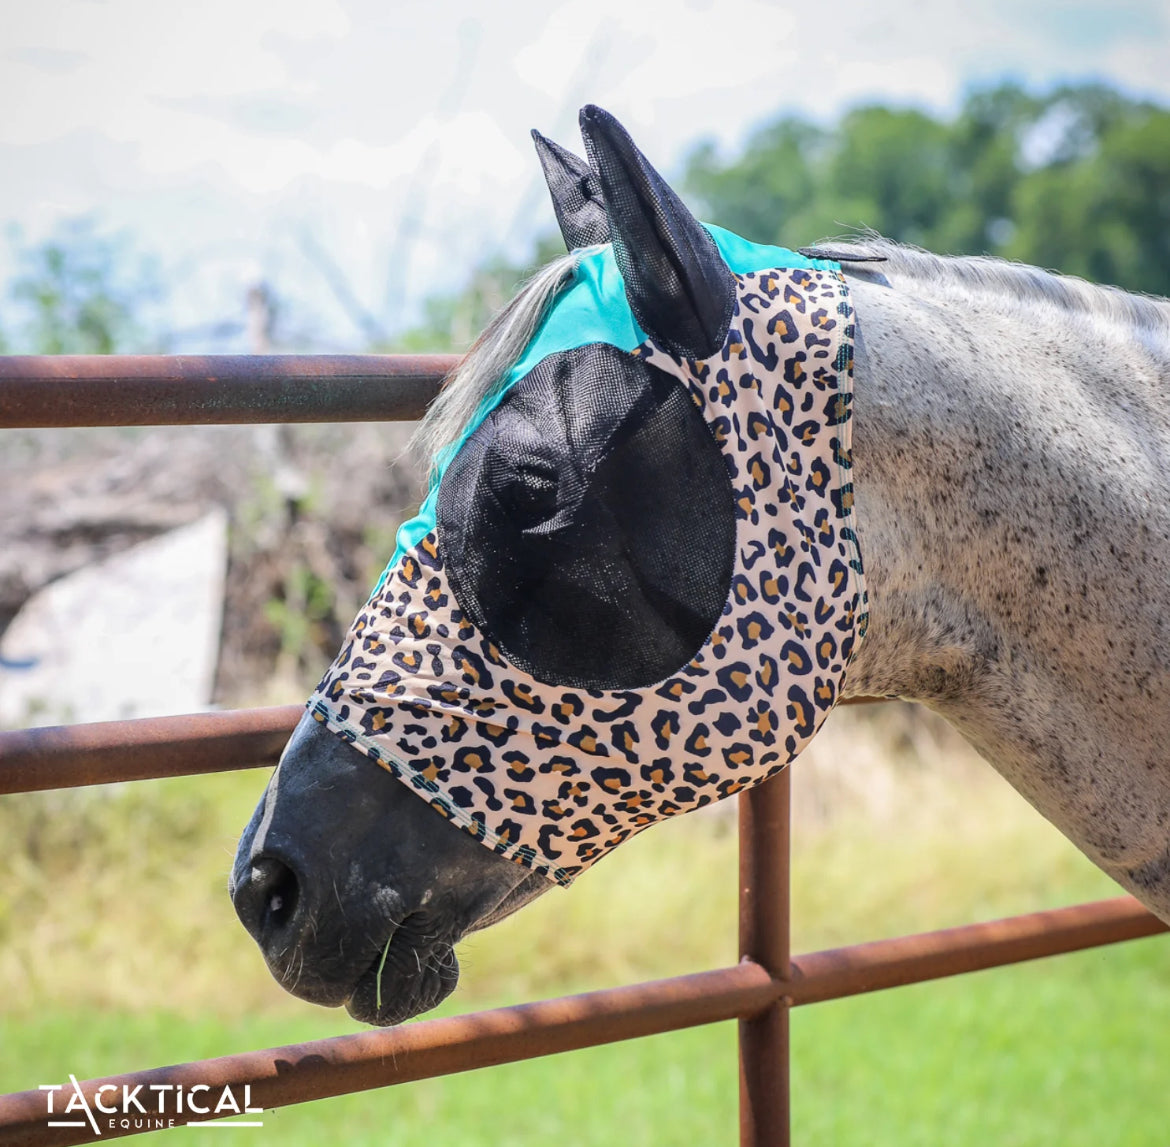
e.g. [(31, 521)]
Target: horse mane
[(987, 275), (481, 374)]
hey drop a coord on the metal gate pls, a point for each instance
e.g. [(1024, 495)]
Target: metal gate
[(759, 991)]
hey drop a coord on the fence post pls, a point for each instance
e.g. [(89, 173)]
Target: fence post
[(764, 826)]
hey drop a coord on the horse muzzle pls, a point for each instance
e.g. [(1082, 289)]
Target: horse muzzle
[(385, 969)]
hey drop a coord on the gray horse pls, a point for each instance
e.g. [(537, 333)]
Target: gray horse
[(1008, 479)]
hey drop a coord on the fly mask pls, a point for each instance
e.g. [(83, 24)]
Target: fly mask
[(635, 586)]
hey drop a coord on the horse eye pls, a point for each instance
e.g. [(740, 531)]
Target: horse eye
[(530, 495)]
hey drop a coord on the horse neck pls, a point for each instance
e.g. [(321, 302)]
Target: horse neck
[(1009, 468)]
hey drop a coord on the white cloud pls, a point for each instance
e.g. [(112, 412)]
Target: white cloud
[(1139, 65), (231, 125), (131, 61)]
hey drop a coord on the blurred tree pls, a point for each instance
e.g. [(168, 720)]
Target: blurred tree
[(899, 163), (1105, 213), (1077, 179), (774, 179), (80, 292), (794, 183), (453, 322)]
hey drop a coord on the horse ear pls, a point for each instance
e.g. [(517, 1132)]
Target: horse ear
[(576, 195), (681, 291)]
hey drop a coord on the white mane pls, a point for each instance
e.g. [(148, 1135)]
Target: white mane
[(985, 275), (487, 363)]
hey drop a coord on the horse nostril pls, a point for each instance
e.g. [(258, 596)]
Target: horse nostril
[(283, 893), (268, 899)]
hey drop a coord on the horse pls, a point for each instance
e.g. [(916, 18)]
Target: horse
[(637, 585)]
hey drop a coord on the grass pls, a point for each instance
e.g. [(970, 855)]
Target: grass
[(119, 950), (1074, 1050)]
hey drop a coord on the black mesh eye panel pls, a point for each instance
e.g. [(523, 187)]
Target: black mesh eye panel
[(588, 526)]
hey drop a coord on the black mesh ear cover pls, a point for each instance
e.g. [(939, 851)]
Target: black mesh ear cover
[(588, 526), (575, 193), (681, 291)]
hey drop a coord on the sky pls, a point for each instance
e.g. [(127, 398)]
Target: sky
[(361, 155)]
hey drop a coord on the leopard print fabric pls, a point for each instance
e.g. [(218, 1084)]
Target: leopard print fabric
[(555, 777)]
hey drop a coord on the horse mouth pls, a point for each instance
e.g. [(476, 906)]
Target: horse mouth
[(414, 973)]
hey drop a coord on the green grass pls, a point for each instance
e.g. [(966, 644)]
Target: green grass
[(119, 951), (1074, 1050)]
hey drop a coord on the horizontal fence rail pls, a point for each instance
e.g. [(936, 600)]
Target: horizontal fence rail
[(66, 756), (895, 963), (173, 390), (323, 1068), (299, 1073), (106, 752)]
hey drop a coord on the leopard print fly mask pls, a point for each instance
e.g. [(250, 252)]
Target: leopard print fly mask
[(635, 586)]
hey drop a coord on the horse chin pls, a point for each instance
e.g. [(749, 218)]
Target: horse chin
[(416, 975), (532, 886)]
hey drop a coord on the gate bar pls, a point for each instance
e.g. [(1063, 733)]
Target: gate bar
[(840, 972), (302, 1072), (63, 756), (185, 389), (104, 752), (764, 914)]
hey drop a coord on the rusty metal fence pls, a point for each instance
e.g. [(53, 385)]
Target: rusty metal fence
[(759, 991)]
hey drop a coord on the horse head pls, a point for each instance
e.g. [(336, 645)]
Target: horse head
[(633, 589)]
